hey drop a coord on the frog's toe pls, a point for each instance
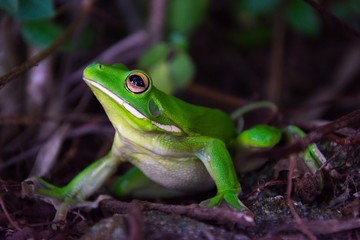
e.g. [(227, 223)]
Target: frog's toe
[(212, 202), (229, 200), (32, 188), (233, 202), (57, 197)]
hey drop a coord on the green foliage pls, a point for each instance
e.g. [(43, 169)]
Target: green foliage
[(348, 11), (185, 15), (179, 41), (36, 27), (169, 65), (28, 10), (40, 33), (257, 7), (160, 74), (257, 17), (346, 8), (302, 18), (154, 55), (181, 70), (9, 5), (86, 40), (253, 36)]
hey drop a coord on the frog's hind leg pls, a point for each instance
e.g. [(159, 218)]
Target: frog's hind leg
[(135, 183), (312, 157)]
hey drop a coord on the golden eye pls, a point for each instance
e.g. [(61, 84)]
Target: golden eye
[(137, 82)]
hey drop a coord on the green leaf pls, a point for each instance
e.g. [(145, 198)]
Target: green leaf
[(40, 33), (346, 9), (160, 75), (179, 41), (302, 18), (253, 37), (87, 38), (257, 7), (182, 70), (28, 10), (9, 5), (154, 55), (185, 15)]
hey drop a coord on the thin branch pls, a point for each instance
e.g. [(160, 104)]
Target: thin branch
[(322, 227), (262, 187), (21, 157), (156, 20), (14, 224), (86, 5), (334, 18), (214, 214), (34, 120), (215, 95), (130, 48), (275, 78), (297, 218), (301, 144), (135, 223), (126, 50)]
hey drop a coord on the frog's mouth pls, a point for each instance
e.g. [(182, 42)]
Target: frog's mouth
[(116, 98), (129, 108)]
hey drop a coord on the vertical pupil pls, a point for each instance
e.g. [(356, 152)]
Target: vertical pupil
[(137, 81)]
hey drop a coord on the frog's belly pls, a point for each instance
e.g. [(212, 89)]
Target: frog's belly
[(186, 175)]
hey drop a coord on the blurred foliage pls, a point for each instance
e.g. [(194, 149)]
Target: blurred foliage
[(169, 65), (256, 18), (168, 62), (302, 18), (349, 11), (28, 10), (184, 16), (41, 33), (256, 7), (35, 16)]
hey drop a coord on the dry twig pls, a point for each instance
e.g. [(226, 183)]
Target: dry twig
[(14, 224), (334, 18), (86, 5), (219, 215), (298, 220)]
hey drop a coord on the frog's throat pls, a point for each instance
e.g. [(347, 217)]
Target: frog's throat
[(131, 109)]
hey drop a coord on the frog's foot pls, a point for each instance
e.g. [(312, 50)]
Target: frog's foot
[(62, 201), (229, 200), (309, 161)]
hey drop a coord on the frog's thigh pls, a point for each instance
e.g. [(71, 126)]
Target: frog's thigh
[(136, 184)]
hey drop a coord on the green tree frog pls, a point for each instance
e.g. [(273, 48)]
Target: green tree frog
[(177, 145)]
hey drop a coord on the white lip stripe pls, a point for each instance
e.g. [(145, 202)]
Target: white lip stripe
[(128, 107), (131, 109), (168, 128)]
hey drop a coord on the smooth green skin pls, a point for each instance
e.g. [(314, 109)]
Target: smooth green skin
[(189, 160)]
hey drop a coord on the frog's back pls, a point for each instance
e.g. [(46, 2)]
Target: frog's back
[(198, 120)]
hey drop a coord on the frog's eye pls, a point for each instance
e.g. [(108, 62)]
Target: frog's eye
[(137, 82)]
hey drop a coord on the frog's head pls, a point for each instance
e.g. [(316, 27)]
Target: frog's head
[(129, 96)]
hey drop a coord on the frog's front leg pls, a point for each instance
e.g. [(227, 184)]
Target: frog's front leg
[(73, 195), (217, 160)]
